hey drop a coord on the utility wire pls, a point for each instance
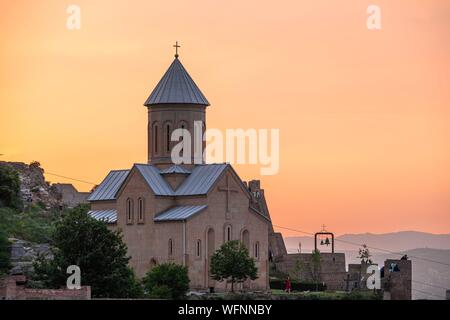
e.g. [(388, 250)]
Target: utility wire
[(429, 294), (58, 175), (371, 247), (291, 229), (430, 285)]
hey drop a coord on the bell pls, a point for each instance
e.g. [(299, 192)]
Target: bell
[(321, 242), (327, 241)]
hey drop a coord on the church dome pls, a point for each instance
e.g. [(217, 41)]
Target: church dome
[(176, 87)]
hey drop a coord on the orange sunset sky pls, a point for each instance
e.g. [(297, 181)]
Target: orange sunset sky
[(364, 116)]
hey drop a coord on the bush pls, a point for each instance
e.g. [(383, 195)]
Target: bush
[(4, 253), (35, 225), (9, 188), (167, 281), (297, 286), (160, 292)]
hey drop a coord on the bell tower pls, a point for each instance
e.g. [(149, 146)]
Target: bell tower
[(175, 102)]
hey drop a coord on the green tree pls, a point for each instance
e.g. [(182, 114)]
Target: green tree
[(99, 252), (299, 269), (233, 263), (9, 188), (316, 267), (167, 281), (4, 253)]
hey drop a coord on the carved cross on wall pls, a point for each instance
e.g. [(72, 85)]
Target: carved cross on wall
[(228, 191)]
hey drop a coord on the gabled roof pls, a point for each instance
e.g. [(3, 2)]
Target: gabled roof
[(110, 185), (109, 216), (175, 169), (179, 213), (201, 179), (156, 182), (199, 182), (176, 86)]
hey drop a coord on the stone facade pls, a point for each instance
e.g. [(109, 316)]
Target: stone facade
[(229, 207), (148, 241)]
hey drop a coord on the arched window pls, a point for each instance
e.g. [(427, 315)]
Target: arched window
[(168, 132), (170, 247), (141, 210), (155, 138), (129, 211), (246, 239), (183, 125), (228, 234), (198, 249), (257, 250)]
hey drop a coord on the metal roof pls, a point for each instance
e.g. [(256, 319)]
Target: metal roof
[(201, 179), (109, 216), (176, 169), (179, 213), (176, 86), (153, 177), (109, 186)]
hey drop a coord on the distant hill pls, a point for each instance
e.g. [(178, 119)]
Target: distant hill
[(430, 279), (396, 241)]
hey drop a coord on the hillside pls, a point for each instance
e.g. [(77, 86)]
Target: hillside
[(33, 187)]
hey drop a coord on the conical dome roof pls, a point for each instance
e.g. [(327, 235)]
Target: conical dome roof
[(176, 87)]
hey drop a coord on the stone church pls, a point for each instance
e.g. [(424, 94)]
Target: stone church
[(183, 213)]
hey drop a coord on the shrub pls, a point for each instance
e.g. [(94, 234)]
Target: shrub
[(167, 281), (4, 253), (9, 188), (297, 286)]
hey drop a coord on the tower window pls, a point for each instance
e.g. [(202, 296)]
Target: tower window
[(257, 250), (155, 138), (167, 137)]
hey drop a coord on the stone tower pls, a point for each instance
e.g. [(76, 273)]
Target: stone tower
[(176, 102)]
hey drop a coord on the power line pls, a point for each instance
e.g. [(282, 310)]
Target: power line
[(291, 229), (371, 247), (429, 294), (58, 175), (430, 285)]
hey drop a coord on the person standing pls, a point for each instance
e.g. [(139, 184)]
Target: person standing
[(287, 285)]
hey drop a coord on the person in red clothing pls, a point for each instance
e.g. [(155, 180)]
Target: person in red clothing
[(287, 285)]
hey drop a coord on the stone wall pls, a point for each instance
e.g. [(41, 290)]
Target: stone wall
[(397, 281), (13, 288), (299, 266), (70, 196)]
